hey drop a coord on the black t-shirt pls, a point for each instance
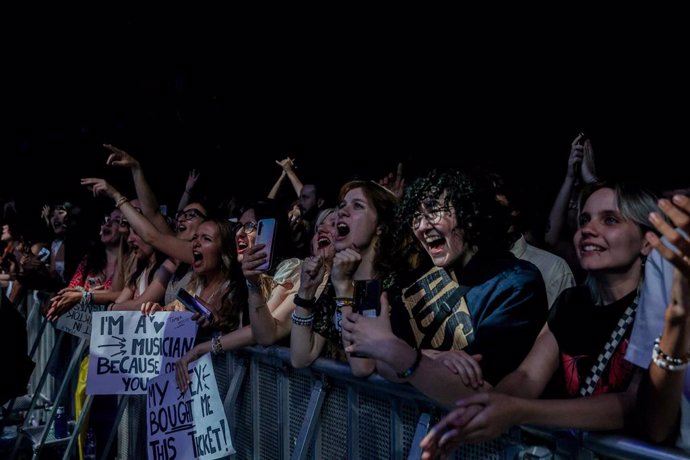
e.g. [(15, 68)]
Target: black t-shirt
[(581, 329)]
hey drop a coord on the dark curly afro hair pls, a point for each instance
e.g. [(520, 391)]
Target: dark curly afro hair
[(483, 221)]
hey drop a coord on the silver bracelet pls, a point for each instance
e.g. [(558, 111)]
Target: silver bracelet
[(216, 347), (302, 320), (666, 362)]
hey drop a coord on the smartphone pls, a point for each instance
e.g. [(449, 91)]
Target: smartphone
[(367, 298), (195, 304), (265, 234), (366, 302)]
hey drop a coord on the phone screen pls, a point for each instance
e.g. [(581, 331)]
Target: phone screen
[(194, 304), (265, 234), (367, 298)]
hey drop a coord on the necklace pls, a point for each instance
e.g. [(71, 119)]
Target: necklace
[(215, 291)]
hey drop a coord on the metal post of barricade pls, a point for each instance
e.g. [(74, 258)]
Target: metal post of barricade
[(39, 435), (311, 421), (121, 404), (352, 421), (254, 387), (283, 412), (77, 427), (422, 429), (239, 372)]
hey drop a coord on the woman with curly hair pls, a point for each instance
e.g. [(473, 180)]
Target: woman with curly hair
[(470, 297), (578, 359)]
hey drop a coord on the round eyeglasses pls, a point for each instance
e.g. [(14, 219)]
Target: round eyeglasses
[(432, 216), (188, 215), (247, 227)]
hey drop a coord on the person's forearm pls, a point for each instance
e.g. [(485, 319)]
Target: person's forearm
[(294, 180), (168, 244), (611, 411), (149, 204), (305, 344), (262, 322), (558, 214), (239, 338), (661, 392), (104, 297), (518, 383), (274, 190), (431, 377)]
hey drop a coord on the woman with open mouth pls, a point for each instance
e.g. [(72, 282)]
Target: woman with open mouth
[(363, 247)]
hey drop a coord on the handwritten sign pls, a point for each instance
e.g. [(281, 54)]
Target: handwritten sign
[(77, 321), (190, 424), (128, 348)]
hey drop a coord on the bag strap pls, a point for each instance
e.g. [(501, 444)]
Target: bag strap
[(624, 322)]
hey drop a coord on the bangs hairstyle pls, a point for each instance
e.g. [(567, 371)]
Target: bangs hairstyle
[(483, 221)]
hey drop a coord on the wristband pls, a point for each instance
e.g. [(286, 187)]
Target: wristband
[(410, 370), (307, 304), (120, 201)]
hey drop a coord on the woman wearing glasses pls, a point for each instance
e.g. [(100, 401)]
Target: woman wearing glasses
[(471, 296), (270, 293), (174, 272)]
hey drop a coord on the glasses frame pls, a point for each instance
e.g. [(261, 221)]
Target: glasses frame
[(184, 216), (433, 216)]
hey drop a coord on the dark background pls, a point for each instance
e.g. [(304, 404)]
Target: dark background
[(185, 92)]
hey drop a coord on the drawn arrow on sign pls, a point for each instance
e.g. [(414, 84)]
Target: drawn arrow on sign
[(122, 341)]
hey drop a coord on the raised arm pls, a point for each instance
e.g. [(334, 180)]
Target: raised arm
[(166, 243), (305, 344), (288, 166), (274, 190), (559, 211), (149, 203), (269, 318), (188, 186), (662, 390)]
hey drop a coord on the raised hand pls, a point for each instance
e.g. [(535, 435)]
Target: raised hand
[(191, 180), (577, 153), (253, 258), (395, 182), (97, 185), (287, 164), (678, 210), (588, 169), (45, 214), (119, 157), (313, 271), (345, 263)]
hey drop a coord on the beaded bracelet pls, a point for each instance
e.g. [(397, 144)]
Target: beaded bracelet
[(665, 361), (86, 297), (410, 370), (216, 347), (302, 320)]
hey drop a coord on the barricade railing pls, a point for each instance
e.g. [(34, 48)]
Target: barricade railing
[(278, 412)]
